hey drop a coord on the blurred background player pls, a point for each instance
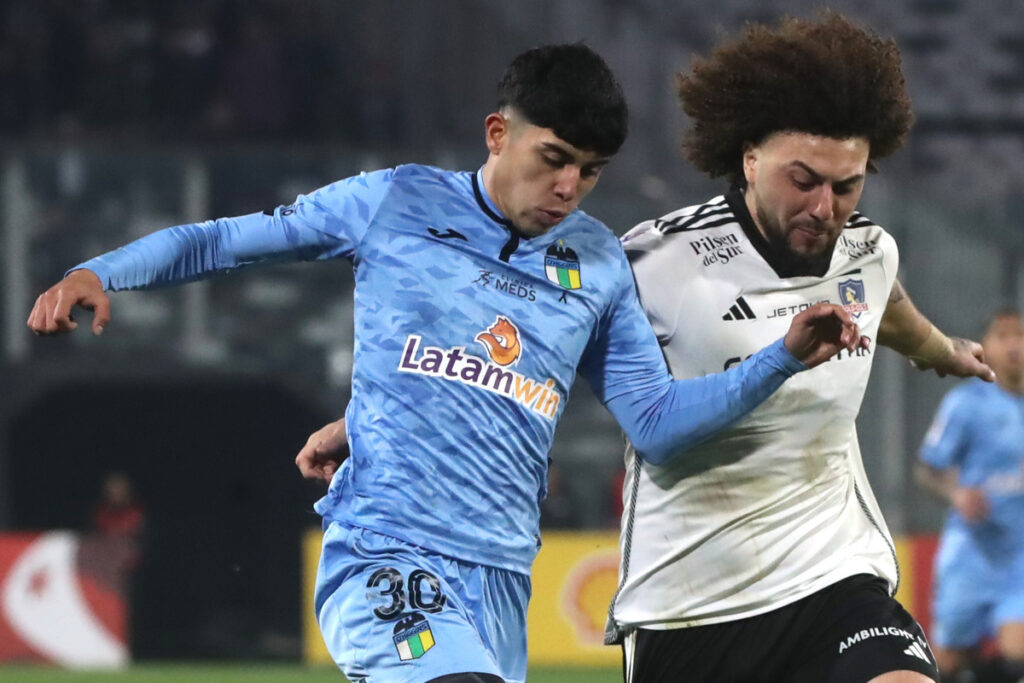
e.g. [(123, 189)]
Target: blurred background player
[(120, 518), (762, 555), (973, 457), (432, 523)]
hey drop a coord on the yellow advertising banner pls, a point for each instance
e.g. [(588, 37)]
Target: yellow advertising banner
[(313, 649), (574, 579)]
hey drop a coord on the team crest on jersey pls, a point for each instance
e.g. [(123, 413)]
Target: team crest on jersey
[(503, 344), (413, 637), (562, 266), (851, 296), (501, 340)]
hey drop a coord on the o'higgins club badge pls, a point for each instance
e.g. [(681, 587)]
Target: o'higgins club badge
[(413, 637), (562, 266)]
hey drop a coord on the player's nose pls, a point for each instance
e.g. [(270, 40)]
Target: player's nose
[(823, 203), (567, 183)]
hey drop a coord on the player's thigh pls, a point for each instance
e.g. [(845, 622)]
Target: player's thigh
[(902, 677), (1011, 639), (389, 613), (961, 610), (498, 599), (1008, 613), (950, 660)]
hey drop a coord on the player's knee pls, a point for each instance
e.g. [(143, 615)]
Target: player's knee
[(467, 678), (902, 677)]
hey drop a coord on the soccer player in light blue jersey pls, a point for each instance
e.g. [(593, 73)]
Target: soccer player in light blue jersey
[(973, 457), (478, 297)]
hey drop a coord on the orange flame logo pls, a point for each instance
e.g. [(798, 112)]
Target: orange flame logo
[(502, 341)]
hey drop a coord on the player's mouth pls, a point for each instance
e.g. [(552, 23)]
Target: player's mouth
[(551, 217), (810, 232), (808, 236)]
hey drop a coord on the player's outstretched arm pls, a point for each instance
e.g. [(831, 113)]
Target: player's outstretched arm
[(328, 223), (325, 450), (664, 420), (52, 312), (907, 331), (970, 502)]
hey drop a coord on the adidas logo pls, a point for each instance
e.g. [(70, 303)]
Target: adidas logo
[(739, 311), (915, 650)]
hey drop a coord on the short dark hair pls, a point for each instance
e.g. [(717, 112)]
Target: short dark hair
[(571, 90), (1006, 311), (825, 77)]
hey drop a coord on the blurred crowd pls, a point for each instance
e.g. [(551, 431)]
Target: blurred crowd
[(218, 70)]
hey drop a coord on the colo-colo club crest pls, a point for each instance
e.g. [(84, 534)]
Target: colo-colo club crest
[(851, 296), (562, 266)]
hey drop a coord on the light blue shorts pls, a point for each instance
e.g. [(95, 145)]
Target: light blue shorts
[(974, 594), (392, 612)]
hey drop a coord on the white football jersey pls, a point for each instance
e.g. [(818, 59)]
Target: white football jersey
[(777, 506)]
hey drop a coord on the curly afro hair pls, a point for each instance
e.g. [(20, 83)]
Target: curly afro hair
[(826, 77)]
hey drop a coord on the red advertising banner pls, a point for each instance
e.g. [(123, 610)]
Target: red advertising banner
[(62, 601)]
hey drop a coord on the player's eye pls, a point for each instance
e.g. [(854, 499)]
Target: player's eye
[(553, 162), (843, 188), (804, 185), (591, 171)]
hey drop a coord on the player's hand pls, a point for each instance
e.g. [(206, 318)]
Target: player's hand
[(971, 503), (820, 332), (51, 313), (324, 452), (967, 360)]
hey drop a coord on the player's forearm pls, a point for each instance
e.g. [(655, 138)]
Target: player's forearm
[(191, 252), (686, 412), (939, 483), (907, 331)]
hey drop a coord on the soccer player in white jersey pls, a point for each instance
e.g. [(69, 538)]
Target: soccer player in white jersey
[(973, 458), (761, 556)]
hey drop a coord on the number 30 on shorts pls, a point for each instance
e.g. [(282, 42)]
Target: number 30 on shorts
[(424, 592)]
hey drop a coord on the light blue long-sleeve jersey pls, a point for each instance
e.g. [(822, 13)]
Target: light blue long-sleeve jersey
[(467, 338)]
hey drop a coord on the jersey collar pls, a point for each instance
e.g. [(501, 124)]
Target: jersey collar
[(491, 209), (485, 202)]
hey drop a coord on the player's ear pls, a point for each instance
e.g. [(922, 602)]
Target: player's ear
[(750, 162), (496, 132)]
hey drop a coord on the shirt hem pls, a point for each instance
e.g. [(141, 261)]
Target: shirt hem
[(821, 584), (460, 553)]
